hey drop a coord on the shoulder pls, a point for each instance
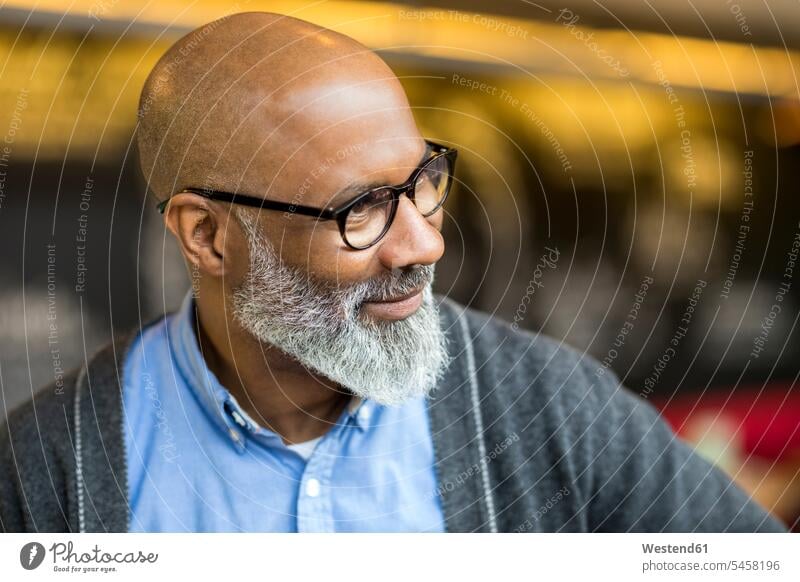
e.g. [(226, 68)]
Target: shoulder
[(35, 419), (42, 439), (36, 459), (529, 379), (48, 414)]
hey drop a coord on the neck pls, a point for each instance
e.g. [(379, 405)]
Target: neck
[(274, 389)]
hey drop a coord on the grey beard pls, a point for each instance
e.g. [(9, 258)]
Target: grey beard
[(320, 325)]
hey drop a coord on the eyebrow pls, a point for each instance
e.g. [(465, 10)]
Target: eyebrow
[(360, 187)]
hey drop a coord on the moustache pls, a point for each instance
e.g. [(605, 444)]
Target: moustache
[(394, 285)]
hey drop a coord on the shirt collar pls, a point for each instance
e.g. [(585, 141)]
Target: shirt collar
[(201, 381), (218, 402), (359, 411)]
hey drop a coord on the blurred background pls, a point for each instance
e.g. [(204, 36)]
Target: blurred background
[(628, 185)]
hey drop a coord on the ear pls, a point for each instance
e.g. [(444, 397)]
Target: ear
[(201, 229)]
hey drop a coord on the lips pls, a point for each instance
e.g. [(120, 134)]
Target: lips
[(395, 308)]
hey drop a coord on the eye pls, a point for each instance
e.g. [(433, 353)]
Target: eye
[(375, 199)]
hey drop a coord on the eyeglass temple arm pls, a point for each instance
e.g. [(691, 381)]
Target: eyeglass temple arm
[(321, 213)]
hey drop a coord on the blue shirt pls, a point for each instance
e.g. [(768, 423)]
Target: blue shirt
[(198, 462)]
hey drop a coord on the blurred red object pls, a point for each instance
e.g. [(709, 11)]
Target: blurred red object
[(768, 419), (751, 432)]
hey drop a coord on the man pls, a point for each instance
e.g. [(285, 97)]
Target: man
[(312, 381)]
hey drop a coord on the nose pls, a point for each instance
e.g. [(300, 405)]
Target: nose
[(412, 239)]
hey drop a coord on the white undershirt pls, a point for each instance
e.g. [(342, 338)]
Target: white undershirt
[(305, 449)]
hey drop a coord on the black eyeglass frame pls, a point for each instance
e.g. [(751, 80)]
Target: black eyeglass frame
[(339, 213)]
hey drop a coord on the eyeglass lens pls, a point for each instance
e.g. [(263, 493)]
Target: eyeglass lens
[(369, 218)]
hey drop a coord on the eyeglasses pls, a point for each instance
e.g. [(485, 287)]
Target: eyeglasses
[(365, 219)]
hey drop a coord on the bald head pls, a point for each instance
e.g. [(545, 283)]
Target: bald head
[(255, 101), (277, 108)]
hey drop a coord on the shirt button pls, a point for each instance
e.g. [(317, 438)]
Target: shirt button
[(364, 413), (312, 487)]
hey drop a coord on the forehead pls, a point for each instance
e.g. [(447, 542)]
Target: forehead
[(333, 179), (336, 139)]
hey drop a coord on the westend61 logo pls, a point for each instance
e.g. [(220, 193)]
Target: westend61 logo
[(66, 559)]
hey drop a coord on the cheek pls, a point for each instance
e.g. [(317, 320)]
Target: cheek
[(237, 256), (341, 264), (322, 253)]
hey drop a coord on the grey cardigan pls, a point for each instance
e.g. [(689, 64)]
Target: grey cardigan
[(528, 436)]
